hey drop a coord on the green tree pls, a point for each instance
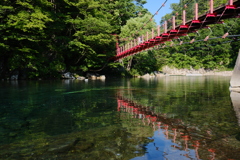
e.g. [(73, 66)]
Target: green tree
[(49, 37)]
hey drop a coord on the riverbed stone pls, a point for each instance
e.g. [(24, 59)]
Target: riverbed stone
[(84, 146), (63, 145)]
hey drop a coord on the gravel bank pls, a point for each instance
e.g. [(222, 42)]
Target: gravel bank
[(175, 71)]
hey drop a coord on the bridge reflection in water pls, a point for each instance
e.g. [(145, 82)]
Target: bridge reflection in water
[(172, 138)]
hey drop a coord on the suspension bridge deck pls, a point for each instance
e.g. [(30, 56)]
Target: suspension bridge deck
[(214, 16)]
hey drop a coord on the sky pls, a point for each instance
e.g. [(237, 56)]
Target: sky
[(154, 5)]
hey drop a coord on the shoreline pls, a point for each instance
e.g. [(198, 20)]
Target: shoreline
[(218, 73), (185, 72), (200, 72)]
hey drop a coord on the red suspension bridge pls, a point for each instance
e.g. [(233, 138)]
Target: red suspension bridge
[(213, 16)]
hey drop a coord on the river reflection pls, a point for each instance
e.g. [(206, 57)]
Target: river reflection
[(172, 139), (140, 119), (192, 135)]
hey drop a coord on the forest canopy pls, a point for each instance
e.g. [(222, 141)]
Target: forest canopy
[(45, 37)]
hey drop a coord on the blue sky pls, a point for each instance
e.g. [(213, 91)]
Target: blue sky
[(153, 6)]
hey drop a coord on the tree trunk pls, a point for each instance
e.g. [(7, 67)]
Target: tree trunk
[(129, 64)]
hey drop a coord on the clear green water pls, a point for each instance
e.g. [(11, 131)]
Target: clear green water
[(139, 119)]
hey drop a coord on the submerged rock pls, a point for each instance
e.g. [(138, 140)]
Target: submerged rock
[(83, 146), (63, 146)]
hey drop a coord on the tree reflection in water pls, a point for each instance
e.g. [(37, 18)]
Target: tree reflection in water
[(168, 118), (172, 139)]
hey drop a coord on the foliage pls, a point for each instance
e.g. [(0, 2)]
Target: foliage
[(132, 29), (138, 27), (46, 37), (216, 53)]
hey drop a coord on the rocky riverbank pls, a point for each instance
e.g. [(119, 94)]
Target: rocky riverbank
[(201, 71), (167, 71), (66, 75), (91, 76)]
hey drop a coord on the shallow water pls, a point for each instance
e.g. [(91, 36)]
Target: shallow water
[(173, 117)]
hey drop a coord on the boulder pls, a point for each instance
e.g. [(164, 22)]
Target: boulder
[(88, 75), (102, 77), (80, 78), (68, 75), (14, 77), (147, 75), (93, 77), (158, 74)]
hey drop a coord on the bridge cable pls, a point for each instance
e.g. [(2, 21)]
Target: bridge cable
[(153, 15), (214, 44), (229, 36), (217, 38), (159, 10), (207, 45), (201, 24)]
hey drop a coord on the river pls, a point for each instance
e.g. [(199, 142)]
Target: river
[(165, 118)]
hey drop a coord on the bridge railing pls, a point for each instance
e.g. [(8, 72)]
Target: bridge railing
[(163, 33)]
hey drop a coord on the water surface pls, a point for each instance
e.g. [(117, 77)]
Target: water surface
[(158, 118)]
